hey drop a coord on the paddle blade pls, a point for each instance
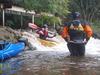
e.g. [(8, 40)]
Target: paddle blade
[(32, 25)]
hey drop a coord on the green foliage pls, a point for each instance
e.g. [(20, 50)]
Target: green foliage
[(88, 8), (51, 6), (38, 21), (10, 23), (50, 20), (14, 21), (96, 26), (59, 6), (54, 20)]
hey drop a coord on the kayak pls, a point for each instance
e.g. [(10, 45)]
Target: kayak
[(8, 49), (47, 43)]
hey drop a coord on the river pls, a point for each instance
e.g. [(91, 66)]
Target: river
[(54, 62)]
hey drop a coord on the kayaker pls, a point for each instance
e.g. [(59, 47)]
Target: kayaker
[(43, 32), (76, 33)]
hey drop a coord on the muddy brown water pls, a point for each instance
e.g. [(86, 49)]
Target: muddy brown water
[(50, 63)]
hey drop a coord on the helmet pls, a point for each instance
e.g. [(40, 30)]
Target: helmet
[(75, 15), (45, 26)]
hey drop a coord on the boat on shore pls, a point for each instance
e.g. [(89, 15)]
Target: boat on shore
[(8, 49)]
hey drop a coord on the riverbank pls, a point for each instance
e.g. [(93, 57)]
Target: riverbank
[(8, 34)]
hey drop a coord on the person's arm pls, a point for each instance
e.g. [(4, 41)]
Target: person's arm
[(39, 31), (65, 34), (88, 32)]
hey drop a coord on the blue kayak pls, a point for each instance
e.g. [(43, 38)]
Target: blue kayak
[(8, 49)]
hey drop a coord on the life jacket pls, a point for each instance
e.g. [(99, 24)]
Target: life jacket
[(76, 31), (45, 33)]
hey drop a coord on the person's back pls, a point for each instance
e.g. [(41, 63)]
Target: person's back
[(77, 33)]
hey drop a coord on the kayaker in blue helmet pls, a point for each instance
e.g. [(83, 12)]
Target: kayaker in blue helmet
[(76, 33)]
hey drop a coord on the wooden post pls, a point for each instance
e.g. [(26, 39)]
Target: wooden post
[(21, 20), (3, 17), (32, 18)]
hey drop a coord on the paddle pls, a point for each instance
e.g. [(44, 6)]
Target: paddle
[(33, 26)]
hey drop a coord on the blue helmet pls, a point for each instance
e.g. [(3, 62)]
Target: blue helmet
[(75, 15)]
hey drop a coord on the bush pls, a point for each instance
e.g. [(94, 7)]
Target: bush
[(96, 26), (50, 20)]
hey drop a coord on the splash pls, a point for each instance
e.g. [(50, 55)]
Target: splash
[(92, 47)]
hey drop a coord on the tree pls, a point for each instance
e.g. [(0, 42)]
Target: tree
[(45, 19), (50, 6), (88, 8)]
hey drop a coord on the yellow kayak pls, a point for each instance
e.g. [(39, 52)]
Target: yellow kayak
[(47, 43)]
